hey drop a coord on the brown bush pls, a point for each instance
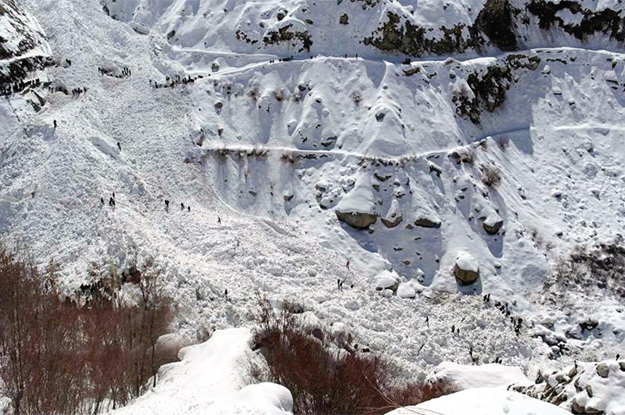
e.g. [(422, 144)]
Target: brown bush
[(327, 379), (59, 358), (491, 175), (288, 157), (588, 269)]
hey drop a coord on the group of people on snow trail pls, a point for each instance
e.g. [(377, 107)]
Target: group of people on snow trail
[(172, 82)]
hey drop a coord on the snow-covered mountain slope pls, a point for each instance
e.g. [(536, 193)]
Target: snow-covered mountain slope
[(374, 27), (275, 158)]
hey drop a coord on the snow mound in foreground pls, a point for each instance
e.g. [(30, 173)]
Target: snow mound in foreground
[(483, 401), (467, 377), (208, 380)]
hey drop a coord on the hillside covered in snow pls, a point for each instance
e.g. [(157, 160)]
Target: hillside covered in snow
[(442, 180)]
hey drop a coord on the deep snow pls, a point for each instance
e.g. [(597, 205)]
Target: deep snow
[(369, 134)]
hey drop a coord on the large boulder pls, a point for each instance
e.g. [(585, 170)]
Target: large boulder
[(493, 223), (357, 220), (387, 280), (426, 220), (358, 207), (406, 290), (394, 216), (466, 269)]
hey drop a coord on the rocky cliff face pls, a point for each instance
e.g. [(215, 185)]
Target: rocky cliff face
[(23, 47), (372, 27)]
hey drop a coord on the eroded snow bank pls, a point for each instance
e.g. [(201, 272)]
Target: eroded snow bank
[(209, 379)]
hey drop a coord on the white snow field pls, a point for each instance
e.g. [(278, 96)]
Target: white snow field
[(366, 156)]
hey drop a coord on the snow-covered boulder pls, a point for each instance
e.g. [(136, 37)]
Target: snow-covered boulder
[(393, 217), (387, 280), (466, 268), (493, 224), (406, 290), (584, 388), (483, 401), (428, 220), (357, 208), (469, 376)]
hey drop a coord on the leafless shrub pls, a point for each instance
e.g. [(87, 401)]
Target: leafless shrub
[(356, 97), (222, 153), (463, 155), (253, 93), (289, 157), (326, 379), (601, 267), (258, 152), (490, 175), (278, 95), (61, 358), (503, 142)]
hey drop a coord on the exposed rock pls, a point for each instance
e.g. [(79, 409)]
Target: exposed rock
[(410, 39), (357, 220), (466, 269), (285, 35), (493, 224), (605, 21), (359, 207), (394, 216), (344, 19), (426, 221), (495, 20), (603, 370)]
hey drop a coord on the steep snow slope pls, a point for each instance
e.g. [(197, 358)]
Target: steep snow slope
[(274, 149), (374, 27)]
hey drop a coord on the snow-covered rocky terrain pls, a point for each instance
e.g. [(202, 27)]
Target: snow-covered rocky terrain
[(440, 158)]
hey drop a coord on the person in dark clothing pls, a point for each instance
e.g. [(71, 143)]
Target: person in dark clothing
[(102, 200), (181, 206), (119, 146), (54, 122)]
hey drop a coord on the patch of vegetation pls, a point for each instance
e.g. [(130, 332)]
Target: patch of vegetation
[(490, 175), (601, 267), (411, 39), (328, 374), (81, 354), (285, 35)]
